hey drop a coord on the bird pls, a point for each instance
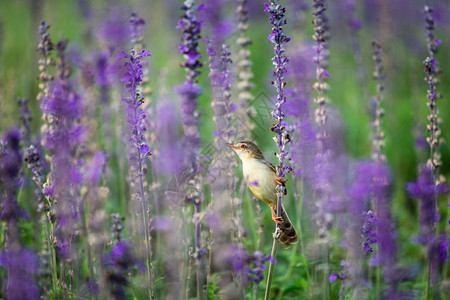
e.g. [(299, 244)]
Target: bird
[(262, 180)]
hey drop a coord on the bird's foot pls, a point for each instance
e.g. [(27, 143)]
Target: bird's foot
[(281, 181), (277, 220)]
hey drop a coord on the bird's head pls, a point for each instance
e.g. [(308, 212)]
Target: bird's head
[(247, 150)]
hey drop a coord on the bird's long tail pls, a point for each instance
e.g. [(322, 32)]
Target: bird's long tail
[(288, 234)]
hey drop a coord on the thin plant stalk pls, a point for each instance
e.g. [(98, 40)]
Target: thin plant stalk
[(278, 38), (271, 265)]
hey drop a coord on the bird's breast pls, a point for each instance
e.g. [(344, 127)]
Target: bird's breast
[(260, 179)]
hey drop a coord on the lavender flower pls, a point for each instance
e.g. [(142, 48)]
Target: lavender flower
[(33, 158), (280, 61), (44, 47), (25, 118), (138, 150), (62, 136), (118, 264), (252, 266), (387, 254), (113, 32), (169, 161), (432, 71), (10, 165), (369, 231), (117, 227), (220, 82), (219, 26), (303, 148), (342, 275), (21, 265), (354, 25), (190, 90), (282, 137), (378, 112), (137, 26), (438, 255), (321, 36), (244, 66), (425, 190), (137, 29), (135, 115)]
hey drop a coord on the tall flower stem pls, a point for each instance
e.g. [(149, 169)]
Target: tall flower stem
[(282, 138), (271, 266), (189, 91), (434, 139), (138, 149)]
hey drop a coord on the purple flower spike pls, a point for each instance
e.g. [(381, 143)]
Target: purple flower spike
[(135, 115), (432, 71), (280, 61), (21, 265), (321, 36), (190, 27), (425, 190), (10, 164)]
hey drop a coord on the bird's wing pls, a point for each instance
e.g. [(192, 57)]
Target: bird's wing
[(274, 169), (270, 165)]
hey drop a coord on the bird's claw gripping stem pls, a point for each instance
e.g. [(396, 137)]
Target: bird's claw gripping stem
[(277, 220), (281, 181)]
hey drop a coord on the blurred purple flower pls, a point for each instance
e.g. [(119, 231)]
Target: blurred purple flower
[(137, 27), (219, 26), (21, 266), (251, 266), (62, 136), (135, 115), (118, 263), (95, 168), (425, 190), (10, 165), (369, 231), (114, 31), (189, 90)]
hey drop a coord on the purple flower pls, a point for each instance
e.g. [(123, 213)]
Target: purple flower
[(114, 30), (321, 36), (432, 71), (220, 27), (378, 112), (170, 155), (21, 266), (62, 137), (118, 263), (252, 266), (333, 277), (10, 165), (137, 27), (280, 61), (342, 275), (426, 191), (191, 27), (369, 231), (135, 115)]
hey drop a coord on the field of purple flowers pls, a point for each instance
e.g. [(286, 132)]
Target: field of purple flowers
[(116, 181)]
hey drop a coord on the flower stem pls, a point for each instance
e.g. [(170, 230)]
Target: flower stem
[(144, 221), (271, 265)]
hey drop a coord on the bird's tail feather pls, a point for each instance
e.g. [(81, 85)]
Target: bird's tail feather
[(288, 234)]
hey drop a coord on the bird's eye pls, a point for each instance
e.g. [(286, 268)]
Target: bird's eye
[(243, 146)]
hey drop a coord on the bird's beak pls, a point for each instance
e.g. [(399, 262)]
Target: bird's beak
[(232, 146)]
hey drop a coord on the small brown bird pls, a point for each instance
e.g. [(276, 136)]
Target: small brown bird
[(262, 180)]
